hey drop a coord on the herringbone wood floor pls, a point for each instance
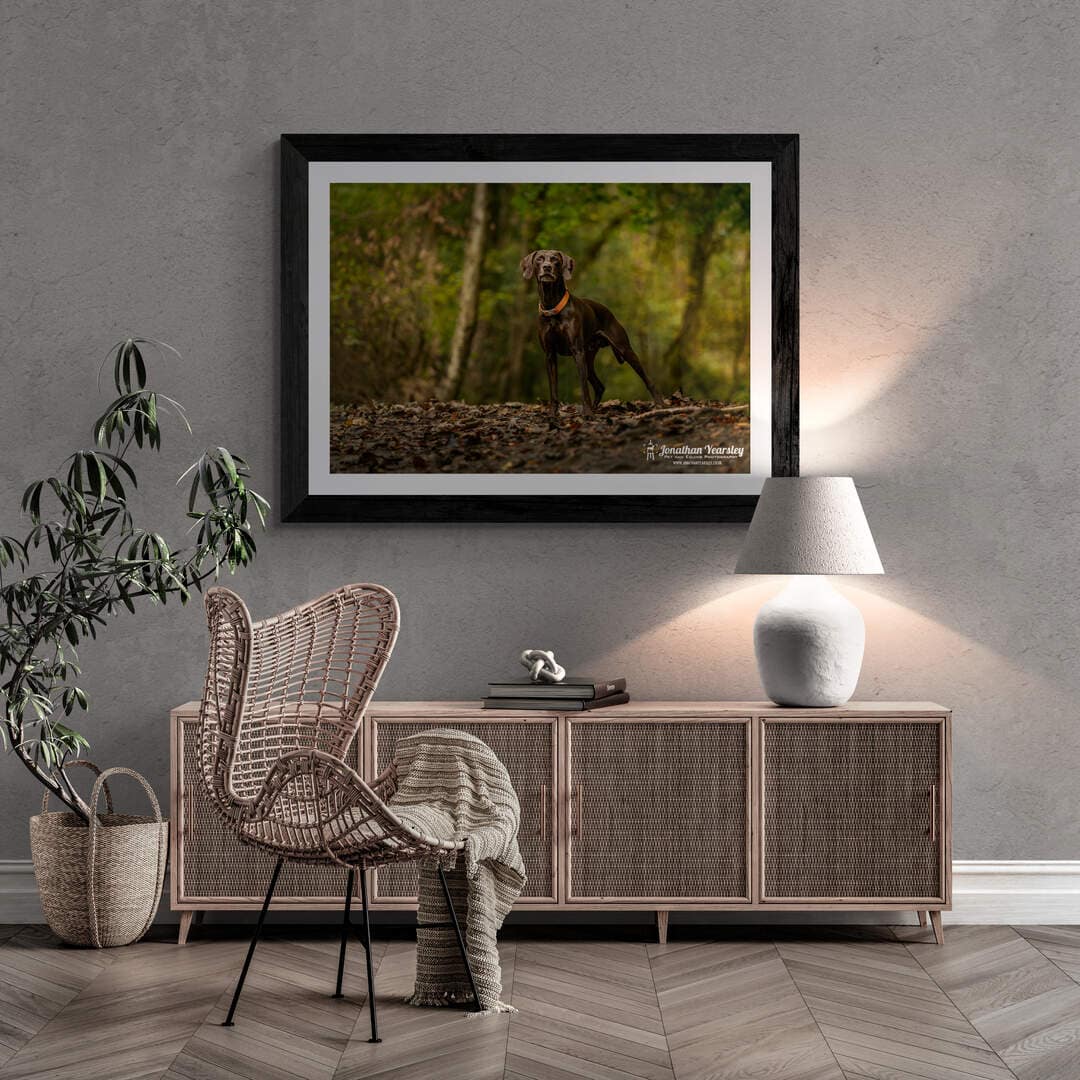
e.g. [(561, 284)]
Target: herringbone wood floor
[(869, 1003)]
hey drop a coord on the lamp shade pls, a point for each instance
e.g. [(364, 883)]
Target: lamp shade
[(809, 525)]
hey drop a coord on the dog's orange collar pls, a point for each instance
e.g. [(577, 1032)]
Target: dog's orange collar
[(558, 307)]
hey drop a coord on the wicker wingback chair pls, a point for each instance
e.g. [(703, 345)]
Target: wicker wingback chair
[(283, 700)]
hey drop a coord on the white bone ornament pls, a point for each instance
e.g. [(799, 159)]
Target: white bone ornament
[(542, 665)]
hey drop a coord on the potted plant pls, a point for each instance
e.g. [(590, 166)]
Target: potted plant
[(84, 561)]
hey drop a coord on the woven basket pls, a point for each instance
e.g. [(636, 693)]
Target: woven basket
[(99, 883)]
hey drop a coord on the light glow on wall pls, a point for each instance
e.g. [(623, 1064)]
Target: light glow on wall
[(907, 653)]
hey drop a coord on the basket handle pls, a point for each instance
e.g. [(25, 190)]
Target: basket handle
[(91, 850), (86, 765)]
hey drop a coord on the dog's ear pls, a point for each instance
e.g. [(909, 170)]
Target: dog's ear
[(527, 268), (567, 265)]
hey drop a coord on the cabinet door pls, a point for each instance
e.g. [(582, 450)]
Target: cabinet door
[(658, 810), (209, 863), (852, 810), (526, 747)]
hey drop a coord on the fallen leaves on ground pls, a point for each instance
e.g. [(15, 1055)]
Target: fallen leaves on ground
[(453, 437)]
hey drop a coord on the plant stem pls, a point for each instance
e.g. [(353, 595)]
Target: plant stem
[(64, 792)]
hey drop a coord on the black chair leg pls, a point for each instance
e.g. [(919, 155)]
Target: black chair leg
[(367, 952), (254, 941), (345, 925), (457, 931)]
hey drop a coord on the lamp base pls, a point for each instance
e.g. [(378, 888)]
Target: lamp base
[(809, 645)]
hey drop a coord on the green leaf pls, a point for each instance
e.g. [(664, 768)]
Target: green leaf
[(262, 507), (118, 356), (230, 465), (41, 705), (12, 551), (32, 500), (70, 740), (120, 465), (140, 367)]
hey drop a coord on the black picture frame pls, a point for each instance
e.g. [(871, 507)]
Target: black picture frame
[(297, 151)]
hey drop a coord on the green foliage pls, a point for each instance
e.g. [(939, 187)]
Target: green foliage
[(84, 560), (672, 261)]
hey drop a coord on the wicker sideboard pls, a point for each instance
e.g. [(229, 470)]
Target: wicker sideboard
[(651, 806)]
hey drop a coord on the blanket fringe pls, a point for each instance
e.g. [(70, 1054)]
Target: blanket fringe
[(498, 1007), (451, 998), (435, 1000)]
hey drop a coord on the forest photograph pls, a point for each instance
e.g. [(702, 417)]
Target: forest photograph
[(539, 327)]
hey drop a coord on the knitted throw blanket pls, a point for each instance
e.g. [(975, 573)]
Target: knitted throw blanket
[(451, 786)]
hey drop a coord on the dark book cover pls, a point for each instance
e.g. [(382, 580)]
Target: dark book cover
[(554, 704), (581, 687)]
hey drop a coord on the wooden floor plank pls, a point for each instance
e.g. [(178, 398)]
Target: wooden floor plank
[(531, 1039), (586, 1012), (133, 1018), (851, 1003), (1025, 1006), (287, 1025), (418, 1044), (1059, 944), (734, 1012), (878, 1009), (38, 979)]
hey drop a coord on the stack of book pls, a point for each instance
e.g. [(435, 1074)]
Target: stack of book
[(567, 696)]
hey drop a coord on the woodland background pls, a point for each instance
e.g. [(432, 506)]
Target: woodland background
[(427, 300)]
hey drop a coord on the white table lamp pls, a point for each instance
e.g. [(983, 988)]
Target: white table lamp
[(809, 640)]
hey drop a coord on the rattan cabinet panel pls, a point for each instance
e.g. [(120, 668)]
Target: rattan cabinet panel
[(649, 806), (527, 749), (659, 810), (212, 865), (852, 810)]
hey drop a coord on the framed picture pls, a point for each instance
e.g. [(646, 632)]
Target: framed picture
[(536, 327)]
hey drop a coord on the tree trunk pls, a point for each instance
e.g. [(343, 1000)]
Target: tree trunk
[(740, 357), (522, 333), (522, 322), (469, 303), (613, 225), (57, 784), (686, 340)]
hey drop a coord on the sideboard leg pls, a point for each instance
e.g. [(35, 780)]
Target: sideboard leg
[(185, 926), (935, 922), (922, 917), (661, 926)]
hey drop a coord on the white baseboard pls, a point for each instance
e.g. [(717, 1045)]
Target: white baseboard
[(19, 901), (1019, 892)]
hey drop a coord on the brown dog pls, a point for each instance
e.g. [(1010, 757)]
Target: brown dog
[(571, 326)]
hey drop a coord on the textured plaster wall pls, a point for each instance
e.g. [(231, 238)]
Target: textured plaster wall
[(940, 320)]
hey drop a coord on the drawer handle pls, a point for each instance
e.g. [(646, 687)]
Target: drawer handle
[(933, 814), (577, 817), (543, 812)]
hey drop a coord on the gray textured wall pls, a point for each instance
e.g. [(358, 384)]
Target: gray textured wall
[(940, 259)]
